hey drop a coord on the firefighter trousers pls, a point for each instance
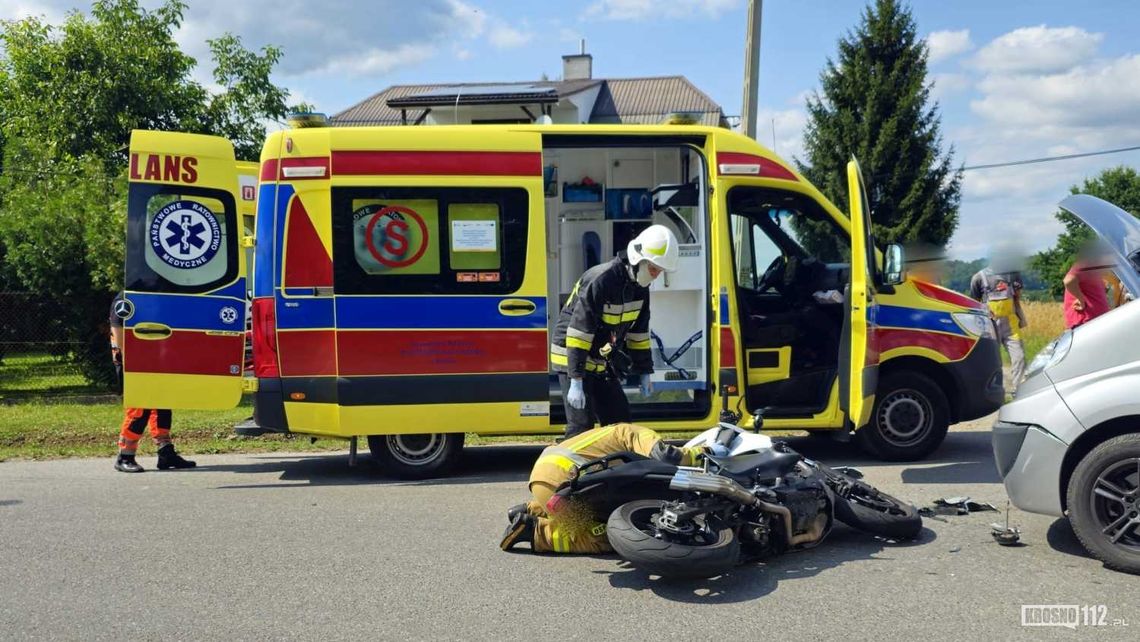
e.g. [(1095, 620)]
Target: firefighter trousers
[(551, 535), (135, 420)]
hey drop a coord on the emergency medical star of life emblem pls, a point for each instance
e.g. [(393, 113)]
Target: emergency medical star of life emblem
[(185, 235)]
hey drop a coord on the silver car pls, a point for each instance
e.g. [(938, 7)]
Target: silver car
[(1069, 443)]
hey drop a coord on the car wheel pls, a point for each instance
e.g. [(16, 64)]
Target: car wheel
[(909, 420), (1104, 502), (416, 456)]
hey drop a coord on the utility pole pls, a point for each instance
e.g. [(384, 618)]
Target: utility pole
[(752, 68)]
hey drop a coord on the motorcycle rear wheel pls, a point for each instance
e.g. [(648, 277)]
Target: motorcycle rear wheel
[(871, 510), (633, 536)]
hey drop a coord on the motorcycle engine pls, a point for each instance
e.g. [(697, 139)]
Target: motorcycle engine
[(805, 499)]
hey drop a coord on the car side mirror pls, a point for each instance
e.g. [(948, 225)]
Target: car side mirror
[(893, 261)]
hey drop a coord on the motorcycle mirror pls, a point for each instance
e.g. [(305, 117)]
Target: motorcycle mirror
[(757, 422)]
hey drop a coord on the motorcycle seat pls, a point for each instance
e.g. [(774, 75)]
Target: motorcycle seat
[(764, 465)]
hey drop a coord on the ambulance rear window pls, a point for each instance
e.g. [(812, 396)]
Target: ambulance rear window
[(429, 240), (180, 239)]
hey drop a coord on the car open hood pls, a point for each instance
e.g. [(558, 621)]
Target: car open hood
[(1119, 230)]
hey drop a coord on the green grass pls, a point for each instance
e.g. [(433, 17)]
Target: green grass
[(41, 373)]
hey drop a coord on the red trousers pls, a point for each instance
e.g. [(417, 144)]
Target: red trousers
[(134, 420)]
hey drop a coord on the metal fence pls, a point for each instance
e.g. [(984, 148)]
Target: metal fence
[(37, 355)]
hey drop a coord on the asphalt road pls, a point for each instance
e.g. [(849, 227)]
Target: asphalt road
[(276, 546)]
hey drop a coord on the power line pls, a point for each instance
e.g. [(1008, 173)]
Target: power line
[(1047, 159)]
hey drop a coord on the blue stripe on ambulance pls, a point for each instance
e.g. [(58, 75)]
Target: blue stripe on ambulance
[(430, 312), (304, 314), (724, 307), (281, 206), (263, 263), (192, 311), (892, 316)]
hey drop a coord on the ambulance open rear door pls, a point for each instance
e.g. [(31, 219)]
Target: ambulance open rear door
[(184, 316)]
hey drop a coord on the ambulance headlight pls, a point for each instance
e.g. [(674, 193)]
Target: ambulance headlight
[(978, 325)]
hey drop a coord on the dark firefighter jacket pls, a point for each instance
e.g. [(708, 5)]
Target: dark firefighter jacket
[(605, 307)]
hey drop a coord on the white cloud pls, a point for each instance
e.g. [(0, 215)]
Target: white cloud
[(1042, 92), (504, 36), (1038, 49), (381, 61), (948, 84), (51, 11), (782, 131), (647, 9), (947, 44)]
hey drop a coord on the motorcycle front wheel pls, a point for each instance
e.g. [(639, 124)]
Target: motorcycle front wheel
[(634, 535), (869, 509)]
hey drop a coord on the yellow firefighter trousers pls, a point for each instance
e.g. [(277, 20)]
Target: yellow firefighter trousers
[(551, 471)]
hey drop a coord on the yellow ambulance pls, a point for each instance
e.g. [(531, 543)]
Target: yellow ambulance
[(406, 281)]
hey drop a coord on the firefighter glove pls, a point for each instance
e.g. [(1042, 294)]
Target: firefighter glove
[(576, 397), (646, 386)]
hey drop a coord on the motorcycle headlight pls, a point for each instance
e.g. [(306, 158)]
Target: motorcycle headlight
[(978, 325), (1051, 354)]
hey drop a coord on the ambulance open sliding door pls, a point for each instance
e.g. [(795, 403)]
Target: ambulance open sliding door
[(184, 309), (439, 267)]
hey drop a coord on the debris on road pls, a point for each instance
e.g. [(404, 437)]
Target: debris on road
[(955, 506)]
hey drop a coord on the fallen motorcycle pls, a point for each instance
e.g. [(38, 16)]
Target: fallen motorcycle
[(752, 499)]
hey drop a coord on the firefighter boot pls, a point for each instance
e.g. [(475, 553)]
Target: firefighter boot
[(127, 464), (167, 458), (515, 511), (521, 530)]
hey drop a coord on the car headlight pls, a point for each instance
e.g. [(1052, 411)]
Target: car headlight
[(978, 325), (1051, 354)]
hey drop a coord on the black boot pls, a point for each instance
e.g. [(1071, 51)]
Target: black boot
[(127, 464), (521, 530), (515, 511), (167, 458)]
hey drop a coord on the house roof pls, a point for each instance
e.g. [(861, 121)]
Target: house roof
[(383, 108), (648, 100), (620, 100)]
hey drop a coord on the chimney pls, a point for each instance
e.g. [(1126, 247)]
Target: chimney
[(579, 66)]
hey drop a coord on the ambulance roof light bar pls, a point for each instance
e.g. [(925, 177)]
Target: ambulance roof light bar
[(304, 119)]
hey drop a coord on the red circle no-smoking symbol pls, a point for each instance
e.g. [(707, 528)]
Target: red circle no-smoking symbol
[(393, 246)]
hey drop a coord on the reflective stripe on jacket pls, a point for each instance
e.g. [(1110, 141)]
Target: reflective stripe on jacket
[(606, 305)]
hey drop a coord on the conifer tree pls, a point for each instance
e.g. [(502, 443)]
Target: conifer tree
[(874, 104)]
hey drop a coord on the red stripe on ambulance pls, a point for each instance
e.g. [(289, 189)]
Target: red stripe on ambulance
[(401, 352), (185, 352), (307, 264), (408, 163), (953, 346), (307, 352)]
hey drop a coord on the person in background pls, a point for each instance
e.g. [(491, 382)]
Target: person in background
[(136, 419), (1086, 296), (1001, 292)]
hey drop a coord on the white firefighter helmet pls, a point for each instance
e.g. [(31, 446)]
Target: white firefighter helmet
[(655, 244)]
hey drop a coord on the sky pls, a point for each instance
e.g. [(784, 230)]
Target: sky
[(1014, 79)]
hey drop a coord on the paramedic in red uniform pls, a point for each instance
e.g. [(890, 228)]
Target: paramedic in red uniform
[(136, 419), (602, 334)]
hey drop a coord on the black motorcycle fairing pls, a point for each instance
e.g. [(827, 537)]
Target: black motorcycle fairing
[(768, 464), (605, 486)]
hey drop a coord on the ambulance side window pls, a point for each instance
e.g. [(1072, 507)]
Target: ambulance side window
[(430, 240), (180, 239)]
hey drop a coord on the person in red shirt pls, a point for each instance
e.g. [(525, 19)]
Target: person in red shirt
[(1086, 297)]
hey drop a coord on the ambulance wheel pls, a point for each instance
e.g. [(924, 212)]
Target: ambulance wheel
[(416, 456), (909, 420)]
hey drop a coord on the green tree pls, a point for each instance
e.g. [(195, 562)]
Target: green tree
[(70, 94), (1117, 185), (874, 104)]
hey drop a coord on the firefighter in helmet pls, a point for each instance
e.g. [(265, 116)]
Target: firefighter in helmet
[(602, 334)]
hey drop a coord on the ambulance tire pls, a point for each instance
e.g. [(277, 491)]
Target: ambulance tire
[(909, 420), (416, 456)]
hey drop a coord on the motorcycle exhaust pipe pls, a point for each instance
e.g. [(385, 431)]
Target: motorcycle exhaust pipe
[(687, 480)]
